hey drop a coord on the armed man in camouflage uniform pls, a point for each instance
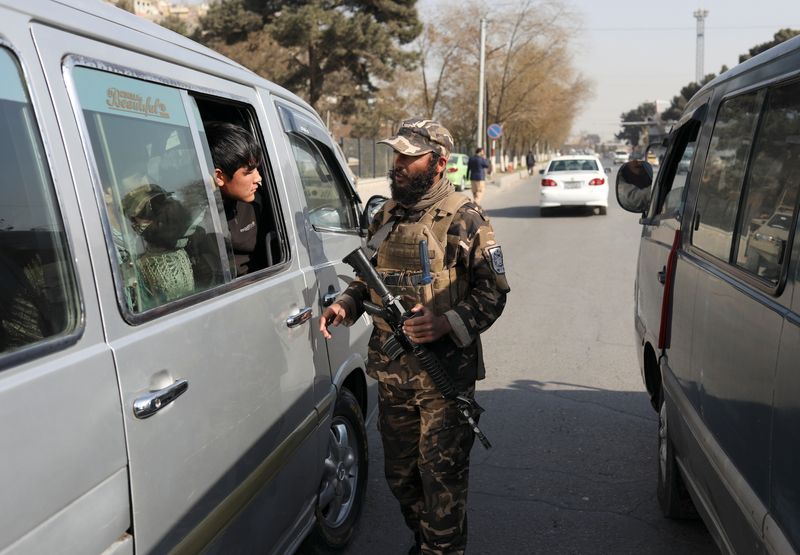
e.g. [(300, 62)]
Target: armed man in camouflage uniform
[(425, 439)]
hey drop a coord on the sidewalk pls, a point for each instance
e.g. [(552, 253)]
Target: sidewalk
[(380, 185)]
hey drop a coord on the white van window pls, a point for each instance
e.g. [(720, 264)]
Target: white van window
[(771, 192), (328, 204), (38, 299), (721, 183), (157, 198)]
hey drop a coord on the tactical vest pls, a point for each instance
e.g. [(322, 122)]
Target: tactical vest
[(401, 268)]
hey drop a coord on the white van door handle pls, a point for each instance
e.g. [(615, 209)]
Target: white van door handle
[(147, 405), (328, 298), (300, 318)]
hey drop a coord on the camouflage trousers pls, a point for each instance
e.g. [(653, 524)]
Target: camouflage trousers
[(426, 447)]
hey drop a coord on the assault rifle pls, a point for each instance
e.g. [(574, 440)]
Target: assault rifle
[(394, 314)]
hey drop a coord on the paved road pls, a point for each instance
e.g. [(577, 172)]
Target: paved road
[(573, 469)]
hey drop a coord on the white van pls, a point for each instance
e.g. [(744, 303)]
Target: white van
[(718, 305), (146, 406)]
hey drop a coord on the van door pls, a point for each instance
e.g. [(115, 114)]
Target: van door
[(749, 177), (63, 468), (216, 371), (330, 220), (661, 236)]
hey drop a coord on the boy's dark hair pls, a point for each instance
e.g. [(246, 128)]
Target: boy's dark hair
[(232, 147), (478, 150)]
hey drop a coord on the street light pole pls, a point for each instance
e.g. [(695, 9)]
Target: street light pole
[(481, 83)]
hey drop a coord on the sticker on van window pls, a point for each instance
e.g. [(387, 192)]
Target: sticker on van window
[(10, 79), (109, 93)]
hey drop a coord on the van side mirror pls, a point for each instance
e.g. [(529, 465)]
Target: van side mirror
[(374, 204), (635, 186)]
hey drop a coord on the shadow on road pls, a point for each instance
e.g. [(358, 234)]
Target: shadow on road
[(572, 470)]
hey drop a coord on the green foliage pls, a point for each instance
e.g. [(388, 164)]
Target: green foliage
[(779, 37), (633, 133), (126, 5), (338, 49), (227, 21), (175, 23), (687, 92)]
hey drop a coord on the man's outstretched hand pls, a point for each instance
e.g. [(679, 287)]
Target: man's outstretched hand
[(333, 315)]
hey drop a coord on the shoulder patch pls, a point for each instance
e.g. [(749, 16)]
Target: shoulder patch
[(496, 259)]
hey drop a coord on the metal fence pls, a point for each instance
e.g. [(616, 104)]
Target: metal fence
[(366, 158)]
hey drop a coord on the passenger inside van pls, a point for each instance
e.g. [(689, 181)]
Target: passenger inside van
[(237, 155)]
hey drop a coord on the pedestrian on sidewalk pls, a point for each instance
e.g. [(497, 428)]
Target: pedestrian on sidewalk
[(476, 173), (426, 442), (530, 161)]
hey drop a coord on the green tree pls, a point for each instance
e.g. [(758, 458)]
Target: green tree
[(645, 111), (779, 37), (227, 22), (340, 50), (126, 5), (175, 23), (679, 102)]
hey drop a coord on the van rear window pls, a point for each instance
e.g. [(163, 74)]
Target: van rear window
[(38, 298), (771, 193), (723, 174)]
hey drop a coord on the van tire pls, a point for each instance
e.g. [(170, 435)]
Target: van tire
[(344, 482), (673, 497), (603, 210)]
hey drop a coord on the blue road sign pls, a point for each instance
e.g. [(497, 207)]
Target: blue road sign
[(495, 131)]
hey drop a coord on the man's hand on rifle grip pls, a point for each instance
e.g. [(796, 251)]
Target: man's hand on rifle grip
[(426, 327), (333, 315)]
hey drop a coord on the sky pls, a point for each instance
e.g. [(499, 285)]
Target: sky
[(642, 51)]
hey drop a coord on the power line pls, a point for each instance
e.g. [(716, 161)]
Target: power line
[(716, 28)]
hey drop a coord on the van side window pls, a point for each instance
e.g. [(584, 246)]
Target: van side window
[(723, 174), (771, 192), (326, 197), (677, 172), (158, 200), (38, 297)]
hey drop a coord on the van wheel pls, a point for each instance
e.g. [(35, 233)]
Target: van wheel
[(672, 494), (603, 210), (344, 480)]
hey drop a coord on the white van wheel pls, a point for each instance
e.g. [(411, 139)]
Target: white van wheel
[(344, 480), (673, 498)]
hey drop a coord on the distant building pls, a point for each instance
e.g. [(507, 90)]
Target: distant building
[(156, 10)]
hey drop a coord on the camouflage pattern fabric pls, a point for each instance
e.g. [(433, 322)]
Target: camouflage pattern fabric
[(426, 447), (418, 136), (425, 441)]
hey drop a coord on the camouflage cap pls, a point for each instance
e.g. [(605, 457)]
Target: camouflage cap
[(419, 136), (135, 201)]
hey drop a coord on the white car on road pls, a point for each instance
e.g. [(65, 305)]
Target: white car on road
[(620, 157), (573, 181)]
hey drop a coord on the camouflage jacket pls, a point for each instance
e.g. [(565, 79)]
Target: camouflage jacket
[(470, 244)]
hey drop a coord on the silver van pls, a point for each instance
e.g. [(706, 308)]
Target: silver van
[(718, 304), (145, 405)]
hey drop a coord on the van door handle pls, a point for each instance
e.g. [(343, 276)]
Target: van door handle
[(328, 298), (662, 275), (300, 318), (147, 405)]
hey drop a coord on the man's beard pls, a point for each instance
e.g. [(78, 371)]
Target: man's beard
[(409, 195)]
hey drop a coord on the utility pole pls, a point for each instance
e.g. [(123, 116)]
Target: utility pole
[(481, 77), (700, 16)]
